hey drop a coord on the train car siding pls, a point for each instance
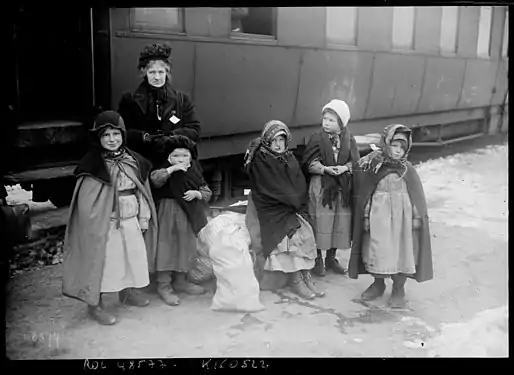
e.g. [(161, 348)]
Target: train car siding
[(237, 86)]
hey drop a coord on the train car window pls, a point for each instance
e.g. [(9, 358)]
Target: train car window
[(505, 42), (403, 27), (484, 31), (257, 21), (157, 19), (342, 25), (449, 27)]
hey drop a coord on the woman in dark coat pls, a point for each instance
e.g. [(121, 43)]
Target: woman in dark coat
[(391, 236), (156, 107)]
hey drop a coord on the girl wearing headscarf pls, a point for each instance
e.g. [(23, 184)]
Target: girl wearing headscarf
[(181, 193), (279, 195), (391, 235), (328, 161), (104, 249)]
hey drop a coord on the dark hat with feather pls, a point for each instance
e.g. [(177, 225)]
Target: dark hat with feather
[(154, 52)]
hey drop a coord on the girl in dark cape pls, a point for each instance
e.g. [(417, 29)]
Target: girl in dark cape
[(391, 235), (104, 248), (279, 196), (181, 193), (328, 160)]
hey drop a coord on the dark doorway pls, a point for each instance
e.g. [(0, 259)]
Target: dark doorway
[(52, 60)]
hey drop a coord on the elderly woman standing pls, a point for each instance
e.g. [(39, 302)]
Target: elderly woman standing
[(156, 107), (105, 250), (279, 195)]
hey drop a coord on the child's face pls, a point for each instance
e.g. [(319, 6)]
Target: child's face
[(396, 150), (180, 156), (111, 139), (330, 123), (278, 144)]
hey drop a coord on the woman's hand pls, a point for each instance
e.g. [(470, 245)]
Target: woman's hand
[(416, 223), (192, 194)]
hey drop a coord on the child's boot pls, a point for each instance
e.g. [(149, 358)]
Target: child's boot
[(298, 286), (307, 279), (97, 312), (319, 267), (375, 290), (397, 299), (182, 285), (131, 296), (164, 289), (332, 263)]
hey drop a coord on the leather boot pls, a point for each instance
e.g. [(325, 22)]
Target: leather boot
[(97, 312), (375, 290), (165, 291), (182, 285), (332, 263), (319, 267), (298, 286), (307, 279), (397, 299), (132, 296)]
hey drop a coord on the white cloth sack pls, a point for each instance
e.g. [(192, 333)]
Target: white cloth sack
[(228, 241)]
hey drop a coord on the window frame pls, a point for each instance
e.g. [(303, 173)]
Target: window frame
[(413, 34), (486, 55), (331, 41), (443, 52), (134, 28), (505, 36), (236, 35)]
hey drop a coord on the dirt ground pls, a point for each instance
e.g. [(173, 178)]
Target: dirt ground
[(461, 312)]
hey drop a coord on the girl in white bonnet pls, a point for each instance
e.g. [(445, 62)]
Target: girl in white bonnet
[(328, 161)]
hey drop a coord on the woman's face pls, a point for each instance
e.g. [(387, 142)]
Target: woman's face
[(330, 123), (278, 144), (156, 73), (396, 150), (180, 156), (111, 139)]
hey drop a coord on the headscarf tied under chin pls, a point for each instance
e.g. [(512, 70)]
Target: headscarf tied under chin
[(382, 157), (272, 129)]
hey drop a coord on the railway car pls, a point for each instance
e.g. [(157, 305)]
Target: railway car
[(443, 71)]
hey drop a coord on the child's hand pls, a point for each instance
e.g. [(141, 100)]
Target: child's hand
[(143, 224), (331, 171), (192, 194), (178, 167), (366, 224)]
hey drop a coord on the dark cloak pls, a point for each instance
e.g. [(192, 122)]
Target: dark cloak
[(320, 146), (88, 225), (365, 184), (279, 192)]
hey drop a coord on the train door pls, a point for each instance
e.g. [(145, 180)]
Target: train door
[(52, 61), (52, 96)]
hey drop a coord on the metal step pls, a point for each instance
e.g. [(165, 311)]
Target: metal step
[(39, 174)]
